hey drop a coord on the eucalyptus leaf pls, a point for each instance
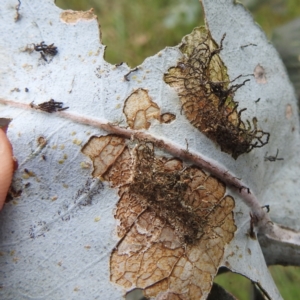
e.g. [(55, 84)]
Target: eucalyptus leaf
[(101, 148)]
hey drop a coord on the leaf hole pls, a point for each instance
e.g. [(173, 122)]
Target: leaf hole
[(236, 284), (135, 294), (135, 30)]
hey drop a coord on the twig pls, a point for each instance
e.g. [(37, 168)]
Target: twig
[(262, 220)]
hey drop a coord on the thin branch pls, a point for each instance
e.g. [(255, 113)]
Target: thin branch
[(258, 214), (280, 245)]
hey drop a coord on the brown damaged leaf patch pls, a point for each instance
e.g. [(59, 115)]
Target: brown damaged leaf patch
[(139, 109), (167, 118), (206, 94), (71, 16), (260, 74), (104, 151), (174, 222)]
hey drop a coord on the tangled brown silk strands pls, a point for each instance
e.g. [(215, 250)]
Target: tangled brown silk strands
[(206, 94)]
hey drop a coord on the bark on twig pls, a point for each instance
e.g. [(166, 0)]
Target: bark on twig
[(264, 226)]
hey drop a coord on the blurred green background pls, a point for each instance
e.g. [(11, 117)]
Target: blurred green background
[(136, 29)]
